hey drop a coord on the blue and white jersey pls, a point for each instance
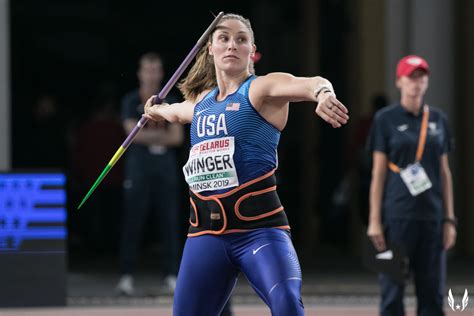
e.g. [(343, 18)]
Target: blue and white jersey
[(231, 143)]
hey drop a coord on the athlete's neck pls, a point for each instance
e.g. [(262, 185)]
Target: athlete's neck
[(412, 104), (228, 84)]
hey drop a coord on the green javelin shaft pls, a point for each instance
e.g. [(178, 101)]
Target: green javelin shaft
[(106, 170), (159, 99)]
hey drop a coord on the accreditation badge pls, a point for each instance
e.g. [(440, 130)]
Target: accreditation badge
[(211, 165), (415, 179), (157, 149)]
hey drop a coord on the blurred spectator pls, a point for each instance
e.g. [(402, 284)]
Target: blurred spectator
[(47, 137), (411, 195), (151, 179), (95, 142)]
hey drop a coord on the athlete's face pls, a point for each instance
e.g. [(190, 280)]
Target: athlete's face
[(232, 46), (415, 85)]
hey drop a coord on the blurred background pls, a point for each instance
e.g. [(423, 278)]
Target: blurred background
[(63, 61)]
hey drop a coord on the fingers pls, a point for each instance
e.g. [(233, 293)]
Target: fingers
[(338, 108), (375, 233), (452, 243), (328, 118), (149, 104), (339, 115), (379, 242), (339, 105), (148, 109), (449, 239), (447, 244), (445, 240), (332, 111), (331, 116)]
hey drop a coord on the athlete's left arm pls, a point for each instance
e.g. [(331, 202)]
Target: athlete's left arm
[(282, 88), (449, 230)]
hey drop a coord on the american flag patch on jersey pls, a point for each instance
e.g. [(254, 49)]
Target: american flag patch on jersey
[(232, 107)]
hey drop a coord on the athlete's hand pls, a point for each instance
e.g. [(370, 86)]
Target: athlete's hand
[(375, 233), (152, 112), (331, 110), (449, 236)]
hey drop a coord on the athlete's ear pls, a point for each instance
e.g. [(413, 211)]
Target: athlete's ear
[(209, 48), (254, 50)]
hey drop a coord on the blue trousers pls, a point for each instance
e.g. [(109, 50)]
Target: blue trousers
[(211, 264), (423, 242)]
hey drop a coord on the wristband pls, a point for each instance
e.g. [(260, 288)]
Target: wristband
[(322, 89), (452, 221)]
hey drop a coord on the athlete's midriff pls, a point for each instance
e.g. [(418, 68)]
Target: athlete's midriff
[(254, 204)]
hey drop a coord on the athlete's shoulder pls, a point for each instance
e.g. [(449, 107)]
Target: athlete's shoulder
[(276, 76), (245, 86), (206, 94), (202, 98), (271, 79)]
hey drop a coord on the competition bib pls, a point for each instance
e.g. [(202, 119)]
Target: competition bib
[(211, 165), (415, 178)]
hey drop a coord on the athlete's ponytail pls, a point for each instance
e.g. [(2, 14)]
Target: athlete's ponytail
[(202, 75)]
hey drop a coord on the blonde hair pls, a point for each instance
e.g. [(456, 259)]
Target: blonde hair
[(202, 75)]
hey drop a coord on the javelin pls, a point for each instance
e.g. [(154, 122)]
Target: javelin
[(159, 99)]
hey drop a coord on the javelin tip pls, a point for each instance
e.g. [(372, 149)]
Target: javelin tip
[(96, 184)]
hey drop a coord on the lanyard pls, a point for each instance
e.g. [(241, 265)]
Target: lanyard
[(421, 140)]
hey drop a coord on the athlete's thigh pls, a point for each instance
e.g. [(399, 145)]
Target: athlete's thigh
[(269, 261), (206, 278)]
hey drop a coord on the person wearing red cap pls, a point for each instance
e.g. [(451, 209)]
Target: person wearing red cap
[(411, 195), (408, 64)]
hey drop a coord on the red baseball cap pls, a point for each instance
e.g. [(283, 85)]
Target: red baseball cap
[(410, 63)]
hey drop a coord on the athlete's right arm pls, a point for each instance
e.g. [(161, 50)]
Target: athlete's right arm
[(174, 113), (375, 229)]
